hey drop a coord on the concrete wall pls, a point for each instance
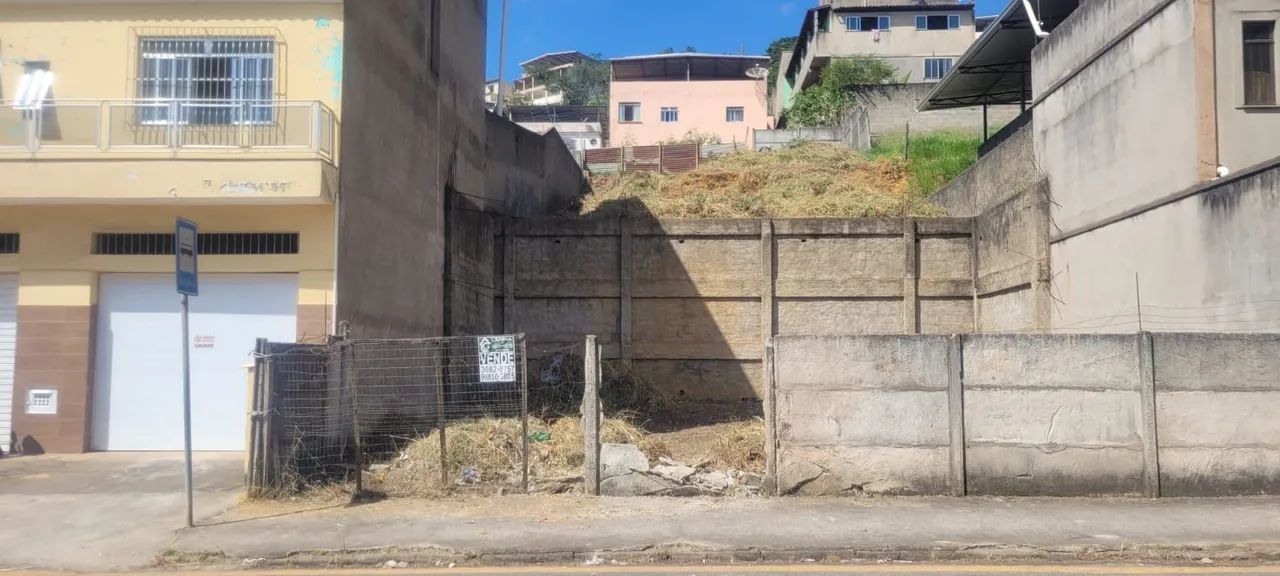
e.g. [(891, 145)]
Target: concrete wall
[(1246, 136), (1208, 260), (1026, 415), (702, 106), (892, 106), (421, 130), (854, 133), (1217, 398), (863, 415), (1122, 130), (1053, 415), (527, 173), (692, 303), (996, 177)]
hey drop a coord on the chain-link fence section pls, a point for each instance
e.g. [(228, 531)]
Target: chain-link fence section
[(412, 417)]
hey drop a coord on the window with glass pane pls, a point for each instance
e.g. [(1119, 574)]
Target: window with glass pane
[(628, 112), (866, 23), (735, 114), (670, 114), (936, 22), (936, 68), (1259, 63), (218, 80)]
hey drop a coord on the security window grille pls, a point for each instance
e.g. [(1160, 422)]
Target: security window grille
[(866, 23), (1259, 63), (206, 81), (9, 243), (670, 115), (936, 68), (938, 22), (734, 114), (628, 112), (212, 244)]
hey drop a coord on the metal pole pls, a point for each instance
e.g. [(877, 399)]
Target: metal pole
[(501, 107), (186, 408), (524, 414), (441, 424), (1137, 290)]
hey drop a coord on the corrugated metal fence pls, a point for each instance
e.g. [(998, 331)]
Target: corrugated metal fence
[(665, 158)]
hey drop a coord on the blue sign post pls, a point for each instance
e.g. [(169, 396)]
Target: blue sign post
[(186, 252)]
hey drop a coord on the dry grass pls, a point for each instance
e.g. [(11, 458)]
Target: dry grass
[(492, 446), (806, 180), (739, 446)]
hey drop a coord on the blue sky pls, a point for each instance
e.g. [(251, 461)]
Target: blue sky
[(630, 27)]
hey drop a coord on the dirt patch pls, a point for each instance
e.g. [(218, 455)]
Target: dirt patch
[(720, 435)]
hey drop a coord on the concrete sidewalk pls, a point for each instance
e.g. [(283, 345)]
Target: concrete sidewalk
[(104, 511), (562, 529)]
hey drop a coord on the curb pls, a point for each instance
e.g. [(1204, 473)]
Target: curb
[(691, 554)]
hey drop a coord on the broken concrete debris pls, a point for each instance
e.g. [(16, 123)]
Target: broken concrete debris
[(625, 471)]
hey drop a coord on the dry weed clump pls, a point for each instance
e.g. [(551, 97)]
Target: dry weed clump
[(491, 448), (806, 180)]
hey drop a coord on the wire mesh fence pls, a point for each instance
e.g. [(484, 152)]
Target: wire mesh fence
[(371, 412), (417, 417)]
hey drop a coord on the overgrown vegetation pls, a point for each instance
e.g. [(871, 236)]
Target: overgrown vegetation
[(584, 84), (775, 50), (844, 83), (932, 160), (804, 180)]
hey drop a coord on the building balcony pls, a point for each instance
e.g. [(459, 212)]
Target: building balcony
[(131, 151)]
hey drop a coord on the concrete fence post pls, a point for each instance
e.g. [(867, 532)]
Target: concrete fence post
[(1150, 441), (955, 412), (591, 417), (770, 422), (508, 277), (910, 282), (625, 272)]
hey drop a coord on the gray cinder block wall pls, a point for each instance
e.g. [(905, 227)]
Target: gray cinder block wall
[(1046, 415)]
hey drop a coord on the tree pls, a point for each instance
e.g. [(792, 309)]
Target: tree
[(584, 84), (844, 83), (672, 50), (775, 58)]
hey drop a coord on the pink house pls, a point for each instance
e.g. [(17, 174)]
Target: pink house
[(664, 97)]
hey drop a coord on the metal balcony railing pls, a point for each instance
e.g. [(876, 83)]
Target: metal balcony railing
[(122, 125)]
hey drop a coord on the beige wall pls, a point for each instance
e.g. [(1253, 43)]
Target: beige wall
[(702, 106), (91, 46), (903, 45), (1245, 136), (1123, 131)]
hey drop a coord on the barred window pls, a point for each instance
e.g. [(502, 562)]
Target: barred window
[(208, 244), (9, 243), (215, 80)]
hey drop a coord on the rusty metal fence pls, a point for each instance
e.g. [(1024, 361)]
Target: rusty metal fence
[(378, 413)]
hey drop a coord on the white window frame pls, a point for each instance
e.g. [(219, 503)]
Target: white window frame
[(922, 22), (670, 114), (927, 61), (732, 112), (169, 73), (622, 117), (854, 23)]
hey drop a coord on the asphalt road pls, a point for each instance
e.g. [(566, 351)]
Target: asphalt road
[(762, 570)]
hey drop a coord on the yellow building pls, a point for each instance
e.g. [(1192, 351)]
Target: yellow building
[(221, 112)]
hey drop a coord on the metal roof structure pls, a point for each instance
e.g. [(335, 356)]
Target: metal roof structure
[(553, 59), (996, 69), (686, 66)]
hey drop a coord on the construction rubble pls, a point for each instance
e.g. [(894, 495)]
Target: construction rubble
[(625, 471)]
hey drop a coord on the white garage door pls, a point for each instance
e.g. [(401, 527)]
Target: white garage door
[(8, 344), (138, 378)]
